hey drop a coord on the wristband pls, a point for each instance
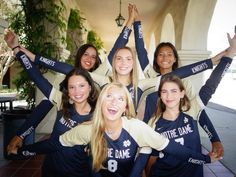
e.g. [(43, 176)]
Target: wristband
[(15, 47)]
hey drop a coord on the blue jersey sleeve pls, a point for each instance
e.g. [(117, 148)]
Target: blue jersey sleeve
[(193, 69), (139, 45), (121, 41), (186, 154), (150, 106), (139, 165), (213, 81), (41, 147), (39, 112), (53, 64), (43, 84), (207, 125)]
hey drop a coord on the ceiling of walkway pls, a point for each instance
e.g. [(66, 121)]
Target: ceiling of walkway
[(101, 16)]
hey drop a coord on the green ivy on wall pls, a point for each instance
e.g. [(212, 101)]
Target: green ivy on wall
[(36, 22), (93, 38)]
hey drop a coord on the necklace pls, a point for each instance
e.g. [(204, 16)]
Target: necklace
[(110, 132)]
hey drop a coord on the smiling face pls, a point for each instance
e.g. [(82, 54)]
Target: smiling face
[(171, 95), (165, 59), (123, 62), (88, 59), (114, 104), (78, 89)]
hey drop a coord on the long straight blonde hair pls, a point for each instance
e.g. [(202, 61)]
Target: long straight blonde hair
[(98, 141), (133, 74)]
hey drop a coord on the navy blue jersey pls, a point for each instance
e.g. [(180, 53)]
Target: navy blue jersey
[(122, 151), (74, 159), (211, 85), (65, 68), (184, 131), (121, 155), (64, 161), (45, 106)]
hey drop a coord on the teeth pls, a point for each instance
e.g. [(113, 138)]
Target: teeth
[(112, 110), (165, 62), (123, 68), (78, 97)]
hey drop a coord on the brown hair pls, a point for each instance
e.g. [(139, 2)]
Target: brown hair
[(184, 102)]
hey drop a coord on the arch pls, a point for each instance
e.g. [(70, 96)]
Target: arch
[(168, 30), (152, 47), (196, 24)]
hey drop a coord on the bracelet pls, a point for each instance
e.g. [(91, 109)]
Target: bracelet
[(15, 47)]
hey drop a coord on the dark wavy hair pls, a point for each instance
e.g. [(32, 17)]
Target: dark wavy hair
[(80, 53), (93, 95), (165, 44)]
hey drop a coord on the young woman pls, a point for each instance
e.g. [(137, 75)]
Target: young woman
[(166, 60), (174, 119), (87, 58), (79, 97), (115, 136)]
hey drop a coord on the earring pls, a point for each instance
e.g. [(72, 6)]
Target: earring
[(123, 114), (71, 101)]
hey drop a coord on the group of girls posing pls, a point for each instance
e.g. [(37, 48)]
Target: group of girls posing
[(99, 135)]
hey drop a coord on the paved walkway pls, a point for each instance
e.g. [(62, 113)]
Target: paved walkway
[(224, 120)]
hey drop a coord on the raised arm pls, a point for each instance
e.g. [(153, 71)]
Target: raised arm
[(43, 84), (12, 41), (209, 88), (139, 42), (123, 37)]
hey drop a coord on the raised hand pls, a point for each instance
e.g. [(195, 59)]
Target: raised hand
[(130, 20), (136, 14), (216, 59), (11, 38), (231, 51), (14, 144)]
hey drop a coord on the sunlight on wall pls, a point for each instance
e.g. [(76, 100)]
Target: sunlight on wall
[(223, 21)]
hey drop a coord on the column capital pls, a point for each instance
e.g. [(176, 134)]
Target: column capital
[(190, 56)]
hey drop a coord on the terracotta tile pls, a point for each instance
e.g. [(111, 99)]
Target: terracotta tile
[(36, 164), (7, 172), (16, 164), (38, 173), (25, 173)]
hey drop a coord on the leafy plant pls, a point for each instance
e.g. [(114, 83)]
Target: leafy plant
[(37, 22), (93, 38), (75, 30)]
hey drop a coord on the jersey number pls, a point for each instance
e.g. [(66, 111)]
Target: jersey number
[(180, 140), (112, 165)]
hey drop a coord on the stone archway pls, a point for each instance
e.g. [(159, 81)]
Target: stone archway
[(196, 24), (168, 30)]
